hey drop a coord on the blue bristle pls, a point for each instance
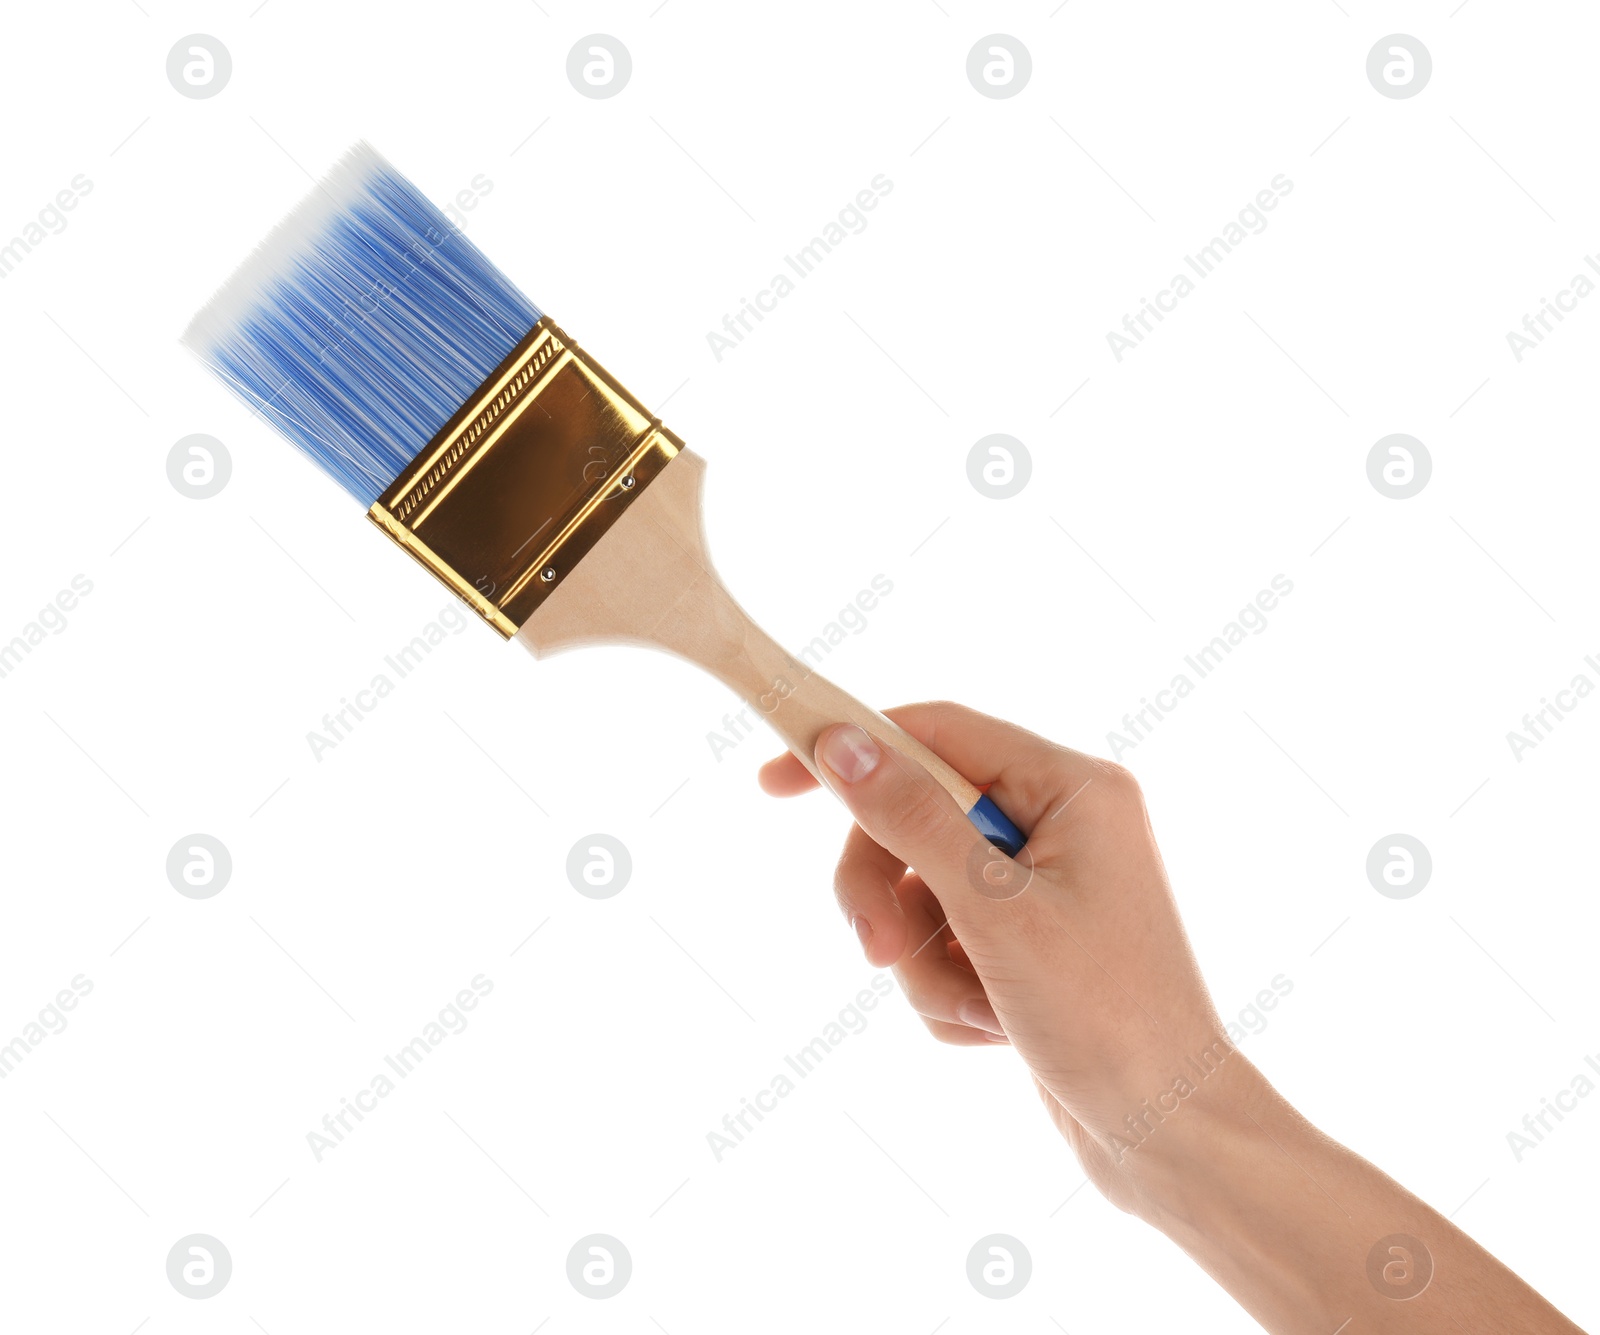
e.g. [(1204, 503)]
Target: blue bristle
[(361, 324)]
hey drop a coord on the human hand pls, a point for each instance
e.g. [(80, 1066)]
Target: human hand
[(1074, 952)]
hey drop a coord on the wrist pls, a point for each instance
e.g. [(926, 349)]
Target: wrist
[(1238, 1185), (1179, 1156)]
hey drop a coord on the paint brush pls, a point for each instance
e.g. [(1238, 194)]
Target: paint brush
[(498, 453)]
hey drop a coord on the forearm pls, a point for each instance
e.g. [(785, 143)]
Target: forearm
[(1082, 965), (1310, 1237)]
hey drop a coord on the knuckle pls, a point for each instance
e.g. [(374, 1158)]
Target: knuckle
[(859, 882), (914, 989), (1118, 778), (918, 999), (848, 878), (1117, 786), (933, 718)]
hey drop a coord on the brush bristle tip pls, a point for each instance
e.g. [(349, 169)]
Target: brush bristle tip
[(361, 323)]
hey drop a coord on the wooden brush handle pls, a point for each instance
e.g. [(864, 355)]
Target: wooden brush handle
[(649, 581)]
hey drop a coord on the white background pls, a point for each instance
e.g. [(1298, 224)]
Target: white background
[(369, 887)]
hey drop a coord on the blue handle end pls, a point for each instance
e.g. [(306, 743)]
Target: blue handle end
[(995, 826)]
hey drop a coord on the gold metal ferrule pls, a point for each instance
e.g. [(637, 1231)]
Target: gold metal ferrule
[(523, 481)]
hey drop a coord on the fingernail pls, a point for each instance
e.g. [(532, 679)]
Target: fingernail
[(997, 1038), (863, 931), (980, 1015), (849, 753)]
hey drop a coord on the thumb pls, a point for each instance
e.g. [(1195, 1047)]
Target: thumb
[(902, 807)]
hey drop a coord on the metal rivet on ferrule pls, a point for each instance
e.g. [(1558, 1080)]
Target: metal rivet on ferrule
[(518, 485)]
